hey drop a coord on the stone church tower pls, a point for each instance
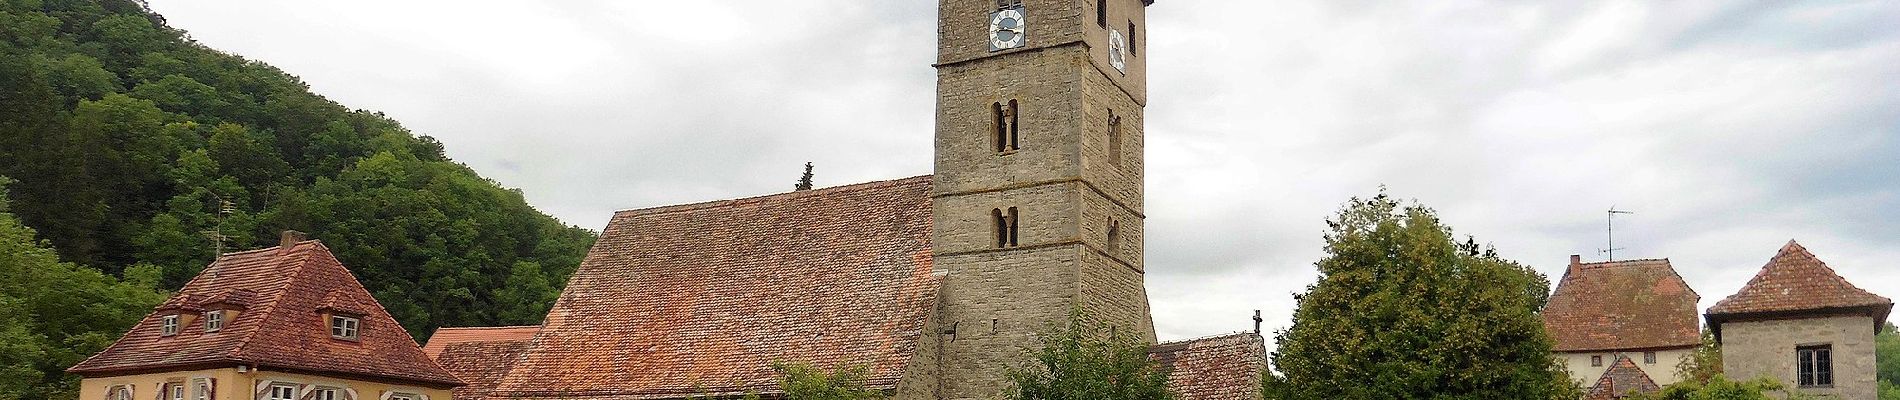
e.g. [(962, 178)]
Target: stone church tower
[(1037, 197)]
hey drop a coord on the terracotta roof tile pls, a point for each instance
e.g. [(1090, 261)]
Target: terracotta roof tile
[(280, 290), (1215, 368), (701, 298), (479, 356), (1795, 281), (1631, 304), (1622, 379)]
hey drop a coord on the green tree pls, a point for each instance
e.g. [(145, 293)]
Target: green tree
[(1402, 310), (1887, 362), (803, 381), (1704, 363), (54, 314), (1086, 359), (1719, 387)]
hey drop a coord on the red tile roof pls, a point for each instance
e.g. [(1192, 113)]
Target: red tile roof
[(701, 298), (480, 356), (1619, 305), (279, 291), (1795, 281), (1215, 368), (1622, 379)]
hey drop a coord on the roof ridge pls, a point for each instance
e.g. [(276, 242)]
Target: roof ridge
[(773, 196), (1209, 337), (444, 328), (270, 307)]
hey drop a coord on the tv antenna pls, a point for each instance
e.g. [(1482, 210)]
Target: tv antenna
[(1610, 228), (216, 234)]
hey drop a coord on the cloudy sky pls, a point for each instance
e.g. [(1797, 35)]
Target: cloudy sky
[(1729, 128)]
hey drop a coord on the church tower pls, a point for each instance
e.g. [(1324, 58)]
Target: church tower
[(1038, 189)]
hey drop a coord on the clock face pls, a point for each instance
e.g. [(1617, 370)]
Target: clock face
[(1006, 29), (1117, 51)]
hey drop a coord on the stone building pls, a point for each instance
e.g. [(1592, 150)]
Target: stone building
[(1639, 310), (934, 284), (280, 323), (1800, 323)]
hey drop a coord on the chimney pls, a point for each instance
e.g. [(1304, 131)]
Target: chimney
[(1256, 322), (291, 237), (1576, 264)]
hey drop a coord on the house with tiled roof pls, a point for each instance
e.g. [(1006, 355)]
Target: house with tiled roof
[(478, 356), (280, 323), (933, 284), (1799, 322), (1622, 379), (1603, 311)]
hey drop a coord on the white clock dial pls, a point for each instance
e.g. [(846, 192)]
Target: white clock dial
[(1006, 29), (1117, 51)]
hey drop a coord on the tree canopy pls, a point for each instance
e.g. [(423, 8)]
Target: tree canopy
[(1086, 359), (1403, 310)]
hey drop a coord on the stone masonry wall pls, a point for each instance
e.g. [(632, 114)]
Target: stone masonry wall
[(1767, 349)]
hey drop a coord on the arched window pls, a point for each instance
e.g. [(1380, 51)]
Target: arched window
[(1005, 126), (1005, 226), (1114, 236)]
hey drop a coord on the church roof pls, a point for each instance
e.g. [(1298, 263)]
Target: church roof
[(702, 298), (1795, 281), (1617, 305), (479, 356), (1622, 379), (279, 294), (1225, 367)]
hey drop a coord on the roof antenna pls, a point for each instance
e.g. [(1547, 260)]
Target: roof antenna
[(1611, 230), (216, 234)]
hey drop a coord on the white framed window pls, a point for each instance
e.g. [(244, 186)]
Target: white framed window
[(168, 325), (122, 392), (201, 389), (326, 393), (283, 392), (342, 327), (214, 320), (175, 390)]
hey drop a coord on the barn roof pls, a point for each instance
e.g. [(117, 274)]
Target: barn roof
[(479, 356), (1795, 282), (702, 298), (1617, 305), (279, 294), (1225, 367)]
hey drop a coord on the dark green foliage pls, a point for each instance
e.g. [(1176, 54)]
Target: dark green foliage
[(1887, 362), (128, 140), (804, 181), (1703, 364), (806, 382), (54, 314), (1086, 359), (1720, 387), (1402, 310)]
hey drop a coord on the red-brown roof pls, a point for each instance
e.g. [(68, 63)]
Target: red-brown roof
[(1215, 368), (1622, 379), (1618, 305), (480, 356), (701, 298), (280, 291), (1795, 281)]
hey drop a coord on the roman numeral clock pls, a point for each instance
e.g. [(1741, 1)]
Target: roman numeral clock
[(1006, 25)]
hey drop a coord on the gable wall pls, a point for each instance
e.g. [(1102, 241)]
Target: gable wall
[(1767, 349)]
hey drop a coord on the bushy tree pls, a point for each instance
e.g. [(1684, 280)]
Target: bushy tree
[(1403, 310), (1887, 362), (1719, 387), (1704, 363), (803, 381), (1084, 358)]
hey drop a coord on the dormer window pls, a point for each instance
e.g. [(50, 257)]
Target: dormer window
[(168, 325), (342, 327), (214, 320)]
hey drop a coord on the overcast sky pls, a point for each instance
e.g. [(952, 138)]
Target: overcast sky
[(1729, 128)]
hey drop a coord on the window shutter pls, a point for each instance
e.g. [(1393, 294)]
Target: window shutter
[(386, 395), (263, 390), (163, 389), (349, 394), (422, 396), (113, 391), (211, 388), (309, 392)]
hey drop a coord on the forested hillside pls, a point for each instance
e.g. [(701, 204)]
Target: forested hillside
[(132, 145)]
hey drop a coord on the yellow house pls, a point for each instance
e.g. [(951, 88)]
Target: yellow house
[(281, 323)]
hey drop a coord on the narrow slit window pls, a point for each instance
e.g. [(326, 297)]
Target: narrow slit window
[(1002, 227), (1011, 114), (1114, 139), (1000, 125), (1114, 235), (1014, 219), (1101, 13)]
